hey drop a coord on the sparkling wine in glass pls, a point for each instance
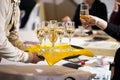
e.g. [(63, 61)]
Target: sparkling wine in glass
[(52, 36), (84, 11), (70, 28), (40, 34), (45, 26), (60, 30), (52, 32)]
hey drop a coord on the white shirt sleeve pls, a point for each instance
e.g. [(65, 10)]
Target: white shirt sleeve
[(7, 50)]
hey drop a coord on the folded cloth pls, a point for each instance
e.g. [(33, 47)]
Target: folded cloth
[(61, 51)]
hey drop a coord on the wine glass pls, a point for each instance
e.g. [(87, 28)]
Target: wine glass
[(52, 32), (70, 28), (84, 11), (40, 35), (53, 23), (45, 26), (60, 30)]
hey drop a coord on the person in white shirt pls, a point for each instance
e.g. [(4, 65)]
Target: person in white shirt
[(11, 48)]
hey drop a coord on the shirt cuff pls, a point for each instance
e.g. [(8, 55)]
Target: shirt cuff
[(28, 58)]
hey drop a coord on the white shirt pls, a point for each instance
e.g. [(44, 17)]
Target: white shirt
[(7, 50)]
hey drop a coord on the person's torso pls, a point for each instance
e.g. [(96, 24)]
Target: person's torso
[(12, 16)]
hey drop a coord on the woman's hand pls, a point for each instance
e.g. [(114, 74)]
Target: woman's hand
[(116, 6), (87, 20), (66, 19)]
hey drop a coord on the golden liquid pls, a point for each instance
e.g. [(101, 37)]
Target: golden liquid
[(46, 31), (70, 31), (52, 35), (84, 15), (40, 34), (60, 31)]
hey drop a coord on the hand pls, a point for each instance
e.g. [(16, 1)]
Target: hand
[(37, 58), (88, 20), (66, 19), (116, 6)]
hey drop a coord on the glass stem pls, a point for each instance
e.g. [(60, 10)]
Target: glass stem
[(53, 45), (60, 40), (44, 40), (40, 42), (69, 39)]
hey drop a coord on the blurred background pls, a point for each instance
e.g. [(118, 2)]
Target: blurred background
[(57, 9)]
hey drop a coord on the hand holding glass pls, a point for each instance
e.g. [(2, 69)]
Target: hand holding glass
[(84, 11)]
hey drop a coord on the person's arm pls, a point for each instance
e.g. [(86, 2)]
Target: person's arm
[(112, 30), (7, 50)]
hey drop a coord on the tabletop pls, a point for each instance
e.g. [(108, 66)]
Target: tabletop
[(98, 43), (42, 72)]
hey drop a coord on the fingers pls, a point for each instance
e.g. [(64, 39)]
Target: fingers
[(88, 21), (84, 23), (66, 19)]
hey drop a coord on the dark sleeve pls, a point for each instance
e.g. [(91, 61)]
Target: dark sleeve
[(113, 31), (115, 18), (112, 17), (100, 10), (103, 12), (117, 65), (76, 17)]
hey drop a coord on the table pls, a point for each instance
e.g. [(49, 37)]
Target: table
[(29, 71), (96, 47), (44, 72), (102, 47)]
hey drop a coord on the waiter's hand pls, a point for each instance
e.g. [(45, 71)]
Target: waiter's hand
[(37, 58)]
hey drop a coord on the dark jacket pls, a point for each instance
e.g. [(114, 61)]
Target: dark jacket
[(115, 17), (98, 9), (114, 31)]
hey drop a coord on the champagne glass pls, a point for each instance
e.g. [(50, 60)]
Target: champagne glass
[(70, 28), (52, 32), (53, 23), (40, 35), (84, 11), (60, 30), (45, 26)]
